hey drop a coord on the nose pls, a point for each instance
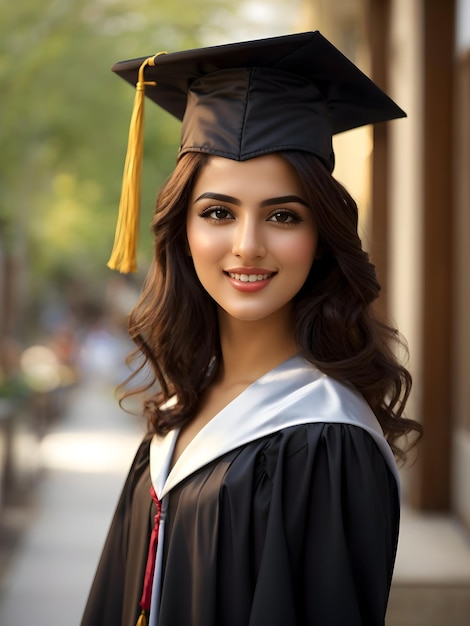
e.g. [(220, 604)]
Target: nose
[(248, 239)]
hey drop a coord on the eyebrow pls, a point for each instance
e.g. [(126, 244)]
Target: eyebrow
[(269, 202), (283, 200), (218, 196)]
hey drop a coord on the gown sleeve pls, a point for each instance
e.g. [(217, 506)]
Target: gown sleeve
[(109, 601), (322, 531)]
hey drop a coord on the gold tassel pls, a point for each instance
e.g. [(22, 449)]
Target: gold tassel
[(123, 255), (142, 621)]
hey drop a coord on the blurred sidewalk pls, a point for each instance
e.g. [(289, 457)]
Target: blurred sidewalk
[(85, 457), (431, 583)]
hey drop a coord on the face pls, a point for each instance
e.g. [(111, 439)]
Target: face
[(251, 235)]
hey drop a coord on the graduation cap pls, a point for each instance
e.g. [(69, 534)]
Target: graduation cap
[(244, 100)]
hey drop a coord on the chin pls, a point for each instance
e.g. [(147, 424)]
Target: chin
[(255, 314)]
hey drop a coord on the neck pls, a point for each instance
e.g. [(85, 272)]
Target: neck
[(250, 349)]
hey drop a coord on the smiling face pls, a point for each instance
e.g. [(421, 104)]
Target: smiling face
[(251, 235)]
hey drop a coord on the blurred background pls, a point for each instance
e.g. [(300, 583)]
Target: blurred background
[(65, 445)]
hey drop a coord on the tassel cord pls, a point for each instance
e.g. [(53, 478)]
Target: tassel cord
[(123, 255), (146, 598)]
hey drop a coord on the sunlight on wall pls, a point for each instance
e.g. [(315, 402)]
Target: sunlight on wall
[(463, 24)]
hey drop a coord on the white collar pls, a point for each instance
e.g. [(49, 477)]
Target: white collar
[(291, 394)]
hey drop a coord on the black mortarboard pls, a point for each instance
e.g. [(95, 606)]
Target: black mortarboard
[(246, 99)]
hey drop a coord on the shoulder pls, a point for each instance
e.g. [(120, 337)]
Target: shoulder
[(315, 463), (318, 438), (337, 400), (304, 447), (140, 463), (323, 399)]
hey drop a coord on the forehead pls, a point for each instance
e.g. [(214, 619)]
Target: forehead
[(265, 176)]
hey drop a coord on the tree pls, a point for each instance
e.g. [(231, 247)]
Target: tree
[(63, 133)]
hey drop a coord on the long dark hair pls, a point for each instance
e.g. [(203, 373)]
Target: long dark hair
[(174, 323)]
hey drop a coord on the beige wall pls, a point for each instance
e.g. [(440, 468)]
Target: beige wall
[(406, 202), (408, 275), (343, 23), (407, 218), (461, 439)]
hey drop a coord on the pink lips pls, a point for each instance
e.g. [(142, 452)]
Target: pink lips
[(249, 279)]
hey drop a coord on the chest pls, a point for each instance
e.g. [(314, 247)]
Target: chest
[(211, 405)]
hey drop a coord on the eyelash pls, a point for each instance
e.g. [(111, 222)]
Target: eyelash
[(291, 215), (207, 213)]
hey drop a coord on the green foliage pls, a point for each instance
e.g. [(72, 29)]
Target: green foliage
[(64, 120)]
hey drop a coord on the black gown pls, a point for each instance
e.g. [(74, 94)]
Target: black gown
[(296, 528)]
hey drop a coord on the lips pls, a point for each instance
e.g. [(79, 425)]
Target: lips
[(249, 279)]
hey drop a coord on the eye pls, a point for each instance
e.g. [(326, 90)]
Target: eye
[(216, 213), (284, 217)]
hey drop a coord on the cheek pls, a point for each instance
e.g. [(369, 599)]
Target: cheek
[(198, 240), (301, 252), (203, 245)]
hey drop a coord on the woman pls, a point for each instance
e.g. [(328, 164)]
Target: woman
[(270, 452)]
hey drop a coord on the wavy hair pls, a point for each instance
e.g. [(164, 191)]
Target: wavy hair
[(174, 323)]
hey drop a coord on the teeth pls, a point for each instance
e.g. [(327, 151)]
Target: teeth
[(249, 278)]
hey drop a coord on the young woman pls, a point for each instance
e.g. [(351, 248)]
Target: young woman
[(266, 490)]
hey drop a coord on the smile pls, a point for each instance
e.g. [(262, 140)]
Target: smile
[(249, 278)]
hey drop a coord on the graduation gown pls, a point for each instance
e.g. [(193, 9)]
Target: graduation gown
[(283, 510)]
